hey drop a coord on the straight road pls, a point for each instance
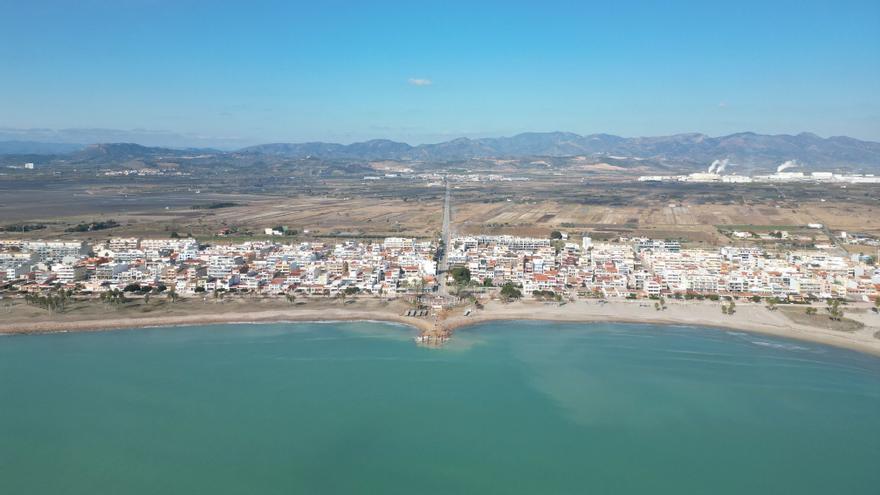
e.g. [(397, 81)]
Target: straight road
[(443, 264)]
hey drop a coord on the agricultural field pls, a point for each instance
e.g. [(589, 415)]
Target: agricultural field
[(344, 205)]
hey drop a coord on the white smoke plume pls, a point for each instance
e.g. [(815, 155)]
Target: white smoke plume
[(787, 165), (718, 166)]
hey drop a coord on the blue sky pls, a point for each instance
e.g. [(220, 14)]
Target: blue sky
[(423, 71)]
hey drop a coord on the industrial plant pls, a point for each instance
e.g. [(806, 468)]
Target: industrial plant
[(715, 173)]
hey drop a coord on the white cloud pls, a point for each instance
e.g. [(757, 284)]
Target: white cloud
[(419, 82)]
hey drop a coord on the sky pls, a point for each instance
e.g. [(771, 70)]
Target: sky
[(423, 71)]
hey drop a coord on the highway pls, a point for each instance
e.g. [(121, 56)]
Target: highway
[(443, 262)]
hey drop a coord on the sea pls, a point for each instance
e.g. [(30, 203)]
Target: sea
[(505, 407)]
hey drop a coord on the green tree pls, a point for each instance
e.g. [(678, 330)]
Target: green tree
[(835, 312), (729, 308), (510, 292), (460, 274)]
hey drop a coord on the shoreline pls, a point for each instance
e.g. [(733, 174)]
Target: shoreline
[(242, 318), (752, 318), (749, 318)]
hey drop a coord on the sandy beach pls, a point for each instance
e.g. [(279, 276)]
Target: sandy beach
[(749, 317), (93, 316)]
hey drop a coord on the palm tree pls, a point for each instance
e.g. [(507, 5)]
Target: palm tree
[(834, 310)]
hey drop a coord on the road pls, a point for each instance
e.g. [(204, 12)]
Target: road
[(443, 262)]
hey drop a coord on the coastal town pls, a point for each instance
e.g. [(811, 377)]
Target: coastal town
[(558, 267)]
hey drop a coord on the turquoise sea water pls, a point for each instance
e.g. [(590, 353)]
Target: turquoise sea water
[(525, 407)]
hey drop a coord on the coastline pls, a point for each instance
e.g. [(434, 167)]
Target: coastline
[(753, 318), (749, 318), (274, 316)]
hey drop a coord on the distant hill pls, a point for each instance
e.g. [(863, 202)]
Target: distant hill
[(748, 150), (745, 151), (119, 152), (375, 149), (37, 148)]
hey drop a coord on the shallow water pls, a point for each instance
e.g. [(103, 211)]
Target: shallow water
[(522, 407)]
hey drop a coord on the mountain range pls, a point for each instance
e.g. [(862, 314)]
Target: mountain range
[(748, 150)]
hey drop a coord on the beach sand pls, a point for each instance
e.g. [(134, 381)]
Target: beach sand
[(752, 317)]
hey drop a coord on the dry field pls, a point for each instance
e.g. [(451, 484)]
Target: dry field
[(687, 212), (354, 208), (158, 213)]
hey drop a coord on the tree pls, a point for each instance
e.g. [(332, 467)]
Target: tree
[(510, 292), (290, 297), (172, 295), (835, 312), (771, 303), (487, 282), (556, 234), (114, 297), (461, 274), (729, 308), (811, 311)]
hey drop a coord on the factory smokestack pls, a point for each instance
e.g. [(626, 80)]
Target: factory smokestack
[(718, 166), (787, 165)]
